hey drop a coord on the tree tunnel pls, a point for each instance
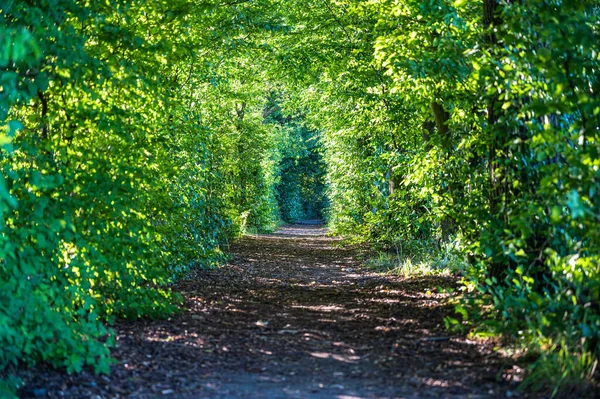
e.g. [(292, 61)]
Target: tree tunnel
[(139, 139)]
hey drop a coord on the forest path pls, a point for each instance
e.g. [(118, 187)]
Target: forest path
[(294, 315)]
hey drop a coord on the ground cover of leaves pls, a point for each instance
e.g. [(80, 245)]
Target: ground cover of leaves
[(293, 315)]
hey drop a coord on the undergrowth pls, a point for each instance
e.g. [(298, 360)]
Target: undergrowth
[(418, 257), (544, 331)]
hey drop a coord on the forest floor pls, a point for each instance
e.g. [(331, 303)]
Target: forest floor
[(293, 315)]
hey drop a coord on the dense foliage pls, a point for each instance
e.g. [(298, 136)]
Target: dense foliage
[(477, 122), (132, 150), (139, 138), (300, 189)]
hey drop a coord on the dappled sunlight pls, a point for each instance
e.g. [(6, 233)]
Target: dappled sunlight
[(304, 301), (297, 231), (320, 308), (339, 358), (147, 147), (384, 300), (293, 320)]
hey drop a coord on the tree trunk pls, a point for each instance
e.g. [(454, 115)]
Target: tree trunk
[(490, 40)]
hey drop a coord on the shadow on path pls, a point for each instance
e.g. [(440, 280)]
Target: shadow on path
[(294, 315)]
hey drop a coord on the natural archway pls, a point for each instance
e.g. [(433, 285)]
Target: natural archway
[(139, 140)]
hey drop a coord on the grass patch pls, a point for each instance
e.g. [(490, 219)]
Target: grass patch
[(415, 257)]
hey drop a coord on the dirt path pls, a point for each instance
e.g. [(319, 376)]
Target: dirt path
[(292, 316)]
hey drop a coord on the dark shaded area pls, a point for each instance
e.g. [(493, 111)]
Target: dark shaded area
[(293, 316), (313, 222), (300, 189)]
